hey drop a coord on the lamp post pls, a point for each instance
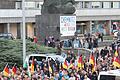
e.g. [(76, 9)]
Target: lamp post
[(23, 29)]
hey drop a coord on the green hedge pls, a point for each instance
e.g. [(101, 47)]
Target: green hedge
[(11, 51)]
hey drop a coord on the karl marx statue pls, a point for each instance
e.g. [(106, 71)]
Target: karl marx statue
[(58, 7)]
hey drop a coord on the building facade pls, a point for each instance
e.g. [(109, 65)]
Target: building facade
[(94, 16), (97, 16), (11, 16)]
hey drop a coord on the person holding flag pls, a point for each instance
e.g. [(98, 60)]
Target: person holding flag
[(35, 40), (49, 67), (14, 69), (116, 62), (80, 62), (71, 65), (92, 62), (32, 66), (65, 64), (116, 52), (6, 71)]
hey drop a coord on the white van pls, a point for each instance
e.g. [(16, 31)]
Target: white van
[(40, 57), (109, 75)]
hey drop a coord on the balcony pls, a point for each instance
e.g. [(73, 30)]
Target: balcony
[(18, 13), (98, 14), (15, 15)]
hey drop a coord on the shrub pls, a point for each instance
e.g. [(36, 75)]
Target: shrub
[(11, 51)]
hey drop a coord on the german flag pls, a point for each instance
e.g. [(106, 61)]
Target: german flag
[(116, 53), (6, 71), (92, 62), (116, 62), (14, 70), (65, 64), (80, 62), (32, 65), (71, 65), (49, 67)]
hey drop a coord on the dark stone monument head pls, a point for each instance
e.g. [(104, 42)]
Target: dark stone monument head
[(58, 7), (48, 23)]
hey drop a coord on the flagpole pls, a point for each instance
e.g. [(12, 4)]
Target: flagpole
[(24, 30), (14, 64), (13, 69), (49, 68), (5, 65)]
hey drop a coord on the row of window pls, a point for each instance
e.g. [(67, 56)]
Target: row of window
[(29, 5), (82, 4), (88, 4)]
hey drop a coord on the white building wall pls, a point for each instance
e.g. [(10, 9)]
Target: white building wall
[(18, 13), (97, 12), (15, 16)]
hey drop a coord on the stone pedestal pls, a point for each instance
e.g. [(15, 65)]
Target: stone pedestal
[(48, 25)]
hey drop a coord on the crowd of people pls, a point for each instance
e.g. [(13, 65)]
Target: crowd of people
[(49, 41), (75, 67), (87, 41)]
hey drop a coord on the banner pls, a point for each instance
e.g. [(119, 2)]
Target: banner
[(67, 25)]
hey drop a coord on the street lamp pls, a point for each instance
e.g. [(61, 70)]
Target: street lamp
[(23, 30)]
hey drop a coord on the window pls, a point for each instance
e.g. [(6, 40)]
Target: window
[(96, 4), (77, 5), (30, 5), (38, 58), (18, 5), (81, 28), (81, 4), (115, 4), (38, 5), (111, 4), (87, 5), (106, 5), (107, 77)]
